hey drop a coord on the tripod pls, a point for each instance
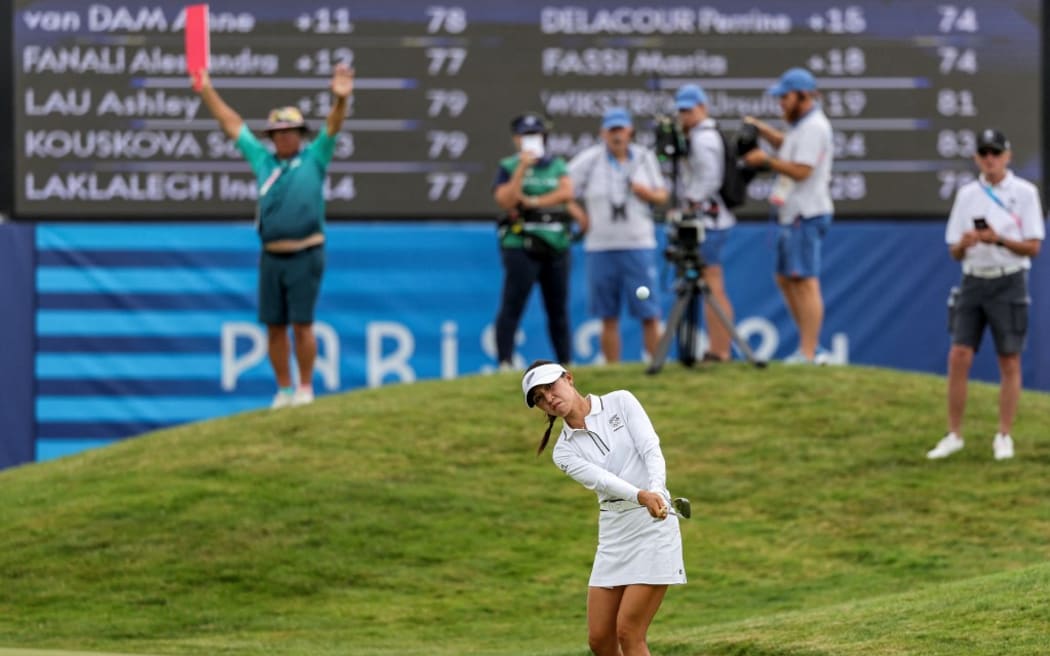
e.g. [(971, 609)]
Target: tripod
[(690, 291)]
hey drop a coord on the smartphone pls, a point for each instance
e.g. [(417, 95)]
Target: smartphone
[(532, 143), (980, 223)]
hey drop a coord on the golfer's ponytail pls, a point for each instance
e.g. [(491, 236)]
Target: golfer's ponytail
[(546, 436), (550, 426)]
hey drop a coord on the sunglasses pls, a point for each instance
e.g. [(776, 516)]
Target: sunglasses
[(985, 152)]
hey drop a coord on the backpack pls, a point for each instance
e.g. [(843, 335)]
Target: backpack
[(735, 176)]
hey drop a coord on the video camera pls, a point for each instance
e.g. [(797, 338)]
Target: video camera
[(685, 233), (670, 142)]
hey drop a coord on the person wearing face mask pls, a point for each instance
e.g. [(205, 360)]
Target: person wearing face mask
[(617, 182), (802, 198), (290, 218), (994, 230), (533, 190)]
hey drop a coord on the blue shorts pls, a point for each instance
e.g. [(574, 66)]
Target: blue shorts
[(714, 242), (798, 247), (612, 275)]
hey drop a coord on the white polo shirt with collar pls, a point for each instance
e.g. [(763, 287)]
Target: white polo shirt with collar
[(617, 454), (1019, 217)]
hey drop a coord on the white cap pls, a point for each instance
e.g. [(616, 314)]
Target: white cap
[(541, 375)]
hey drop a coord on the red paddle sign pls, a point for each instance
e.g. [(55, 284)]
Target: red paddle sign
[(198, 45)]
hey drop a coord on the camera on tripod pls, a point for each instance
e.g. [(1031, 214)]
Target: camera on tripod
[(685, 233), (670, 142)]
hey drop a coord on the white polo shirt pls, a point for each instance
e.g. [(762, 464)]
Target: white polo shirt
[(809, 142), (701, 174), (601, 181), (618, 453), (1021, 219)]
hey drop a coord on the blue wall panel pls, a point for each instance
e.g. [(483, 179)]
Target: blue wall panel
[(16, 344), (141, 327)]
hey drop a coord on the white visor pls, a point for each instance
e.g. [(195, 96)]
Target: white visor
[(541, 375)]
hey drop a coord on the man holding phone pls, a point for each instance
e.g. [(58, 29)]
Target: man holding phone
[(995, 228)]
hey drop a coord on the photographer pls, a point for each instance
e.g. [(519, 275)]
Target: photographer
[(617, 181), (701, 178), (802, 196), (534, 236)]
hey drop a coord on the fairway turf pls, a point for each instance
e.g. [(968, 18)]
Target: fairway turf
[(416, 519)]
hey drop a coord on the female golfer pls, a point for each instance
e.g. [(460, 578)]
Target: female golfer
[(608, 445)]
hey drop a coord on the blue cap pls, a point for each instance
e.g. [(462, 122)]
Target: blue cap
[(529, 124), (793, 79), (616, 117), (689, 97)]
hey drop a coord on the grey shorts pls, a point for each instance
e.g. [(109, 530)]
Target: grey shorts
[(999, 303)]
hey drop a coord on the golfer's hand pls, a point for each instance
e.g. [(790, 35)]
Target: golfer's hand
[(654, 503), (342, 81)]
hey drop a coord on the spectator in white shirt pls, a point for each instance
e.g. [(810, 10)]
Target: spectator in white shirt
[(802, 196), (617, 182), (994, 229)]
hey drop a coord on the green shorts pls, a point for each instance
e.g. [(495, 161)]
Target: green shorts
[(288, 286)]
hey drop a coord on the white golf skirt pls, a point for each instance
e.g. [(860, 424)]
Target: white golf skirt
[(633, 548)]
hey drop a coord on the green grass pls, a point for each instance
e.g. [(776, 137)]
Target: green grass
[(416, 519)]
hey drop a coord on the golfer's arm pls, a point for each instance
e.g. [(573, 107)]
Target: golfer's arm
[(229, 120), (595, 478)]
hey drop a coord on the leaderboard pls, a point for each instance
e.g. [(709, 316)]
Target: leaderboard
[(106, 125)]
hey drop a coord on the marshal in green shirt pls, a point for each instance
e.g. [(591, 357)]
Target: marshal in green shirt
[(541, 178), (291, 191)]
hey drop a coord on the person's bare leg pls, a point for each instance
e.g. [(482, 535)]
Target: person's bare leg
[(637, 609), (959, 360), (279, 350), (787, 290), (1009, 390), (612, 348), (718, 335), (810, 307), (305, 352), (651, 334), (603, 605)]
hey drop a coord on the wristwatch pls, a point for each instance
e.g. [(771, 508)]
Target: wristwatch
[(999, 242)]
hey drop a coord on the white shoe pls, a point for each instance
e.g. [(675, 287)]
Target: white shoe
[(1003, 447), (823, 357), (797, 358), (948, 445), (303, 396), (282, 399)]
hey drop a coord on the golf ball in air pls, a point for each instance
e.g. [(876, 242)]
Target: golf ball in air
[(642, 293)]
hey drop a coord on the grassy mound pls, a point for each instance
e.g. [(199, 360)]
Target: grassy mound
[(415, 519)]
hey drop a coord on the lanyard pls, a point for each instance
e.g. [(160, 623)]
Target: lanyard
[(998, 201)]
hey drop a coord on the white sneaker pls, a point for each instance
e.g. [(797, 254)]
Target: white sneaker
[(282, 399), (948, 445), (823, 357), (797, 358), (1003, 447), (303, 396)]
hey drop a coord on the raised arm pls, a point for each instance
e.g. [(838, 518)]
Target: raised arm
[(342, 87), (229, 120)]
